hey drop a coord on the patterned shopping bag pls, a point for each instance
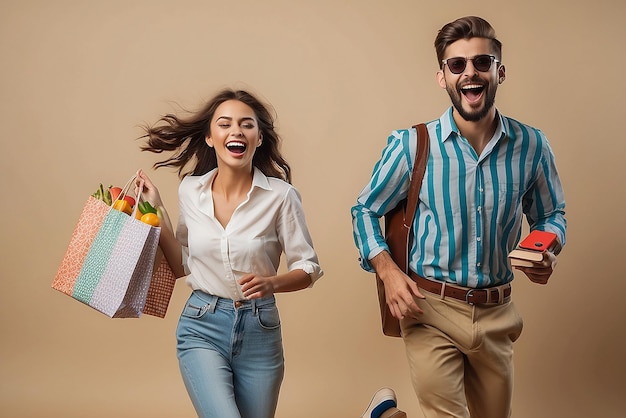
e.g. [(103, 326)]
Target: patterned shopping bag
[(161, 287), (113, 264)]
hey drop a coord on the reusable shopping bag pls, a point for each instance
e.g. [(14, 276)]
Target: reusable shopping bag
[(113, 264)]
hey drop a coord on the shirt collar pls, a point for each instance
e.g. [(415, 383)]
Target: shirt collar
[(258, 179), (448, 127), (205, 198)]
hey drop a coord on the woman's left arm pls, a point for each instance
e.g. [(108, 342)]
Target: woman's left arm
[(303, 268), (254, 286)]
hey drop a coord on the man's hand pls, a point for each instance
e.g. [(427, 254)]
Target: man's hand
[(399, 288), (541, 271)]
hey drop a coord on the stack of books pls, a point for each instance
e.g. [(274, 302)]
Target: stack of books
[(530, 250)]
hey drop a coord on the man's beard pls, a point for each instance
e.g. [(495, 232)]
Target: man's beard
[(473, 115)]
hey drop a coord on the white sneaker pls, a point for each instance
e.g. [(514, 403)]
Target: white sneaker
[(382, 400)]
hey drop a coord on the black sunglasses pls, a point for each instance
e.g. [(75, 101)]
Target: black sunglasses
[(457, 65)]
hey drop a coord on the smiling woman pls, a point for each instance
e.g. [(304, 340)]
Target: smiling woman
[(235, 136), (172, 132), (238, 215)]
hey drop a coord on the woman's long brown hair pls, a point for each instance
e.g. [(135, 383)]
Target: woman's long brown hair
[(187, 138)]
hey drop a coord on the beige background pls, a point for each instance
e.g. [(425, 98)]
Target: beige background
[(78, 77)]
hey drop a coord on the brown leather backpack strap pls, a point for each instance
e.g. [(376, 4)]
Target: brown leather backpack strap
[(417, 175)]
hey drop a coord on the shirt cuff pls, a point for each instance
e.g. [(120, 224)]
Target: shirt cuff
[(312, 269), (365, 262)]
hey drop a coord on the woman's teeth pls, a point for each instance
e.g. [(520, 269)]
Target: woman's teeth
[(236, 146)]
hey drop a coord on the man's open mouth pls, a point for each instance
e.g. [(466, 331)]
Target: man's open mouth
[(472, 91)]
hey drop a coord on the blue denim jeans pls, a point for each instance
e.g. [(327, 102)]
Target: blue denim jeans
[(231, 356)]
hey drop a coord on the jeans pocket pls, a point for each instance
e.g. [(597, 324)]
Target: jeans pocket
[(268, 317), (194, 312)]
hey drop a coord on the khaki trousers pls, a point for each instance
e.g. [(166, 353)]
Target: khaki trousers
[(461, 357)]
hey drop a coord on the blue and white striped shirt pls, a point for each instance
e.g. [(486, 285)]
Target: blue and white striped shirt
[(471, 207)]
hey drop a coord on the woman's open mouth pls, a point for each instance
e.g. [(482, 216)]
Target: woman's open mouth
[(236, 147)]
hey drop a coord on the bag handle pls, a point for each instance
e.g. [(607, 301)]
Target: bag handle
[(125, 189), (123, 193), (417, 175)]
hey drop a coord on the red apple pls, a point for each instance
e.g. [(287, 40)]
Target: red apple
[(115, 192)]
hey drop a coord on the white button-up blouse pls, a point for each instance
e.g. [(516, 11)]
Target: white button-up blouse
[(269, 222)]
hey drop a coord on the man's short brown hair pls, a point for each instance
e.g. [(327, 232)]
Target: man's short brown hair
[(466, 28)]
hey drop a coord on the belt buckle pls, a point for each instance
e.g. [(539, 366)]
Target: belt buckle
[(469, 295)]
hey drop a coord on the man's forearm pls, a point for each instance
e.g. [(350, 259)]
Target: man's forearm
[(383, 264)]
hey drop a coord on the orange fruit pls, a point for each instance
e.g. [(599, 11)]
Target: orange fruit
[(151, 219), (123, 206)]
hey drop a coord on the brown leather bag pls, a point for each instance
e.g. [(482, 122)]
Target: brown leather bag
[(398, 224)]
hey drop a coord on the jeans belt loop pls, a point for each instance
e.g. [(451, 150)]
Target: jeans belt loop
[(210, 307), (255, 309), (442, 292)]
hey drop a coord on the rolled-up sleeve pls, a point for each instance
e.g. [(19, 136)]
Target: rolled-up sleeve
[(295, 238)]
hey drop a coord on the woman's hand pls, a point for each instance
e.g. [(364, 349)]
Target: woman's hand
[(254, 287), (146, 189)]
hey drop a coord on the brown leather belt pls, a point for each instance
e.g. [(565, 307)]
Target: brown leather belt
[(492, 295)]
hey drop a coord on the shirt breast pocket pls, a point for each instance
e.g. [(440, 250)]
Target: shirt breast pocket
[(507, 202), (250, 256)]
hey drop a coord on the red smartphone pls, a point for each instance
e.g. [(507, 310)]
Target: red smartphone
[(538, 241)]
